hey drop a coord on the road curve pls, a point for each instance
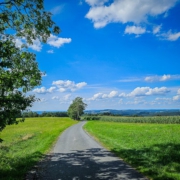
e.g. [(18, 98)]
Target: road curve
[(76, 156)]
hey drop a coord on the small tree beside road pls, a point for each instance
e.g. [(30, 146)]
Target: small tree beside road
[(76, 109)]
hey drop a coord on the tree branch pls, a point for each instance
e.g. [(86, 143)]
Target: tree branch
[(8, 2)]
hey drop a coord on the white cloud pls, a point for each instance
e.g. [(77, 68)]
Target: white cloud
[(67, 96), (165, 77), (139, 91), (95, 2), (37, 46), (68, 85), (147, 91), (125, 11), (113, 94), (51, 89), (178, 92), (135, 30), (157, 29), (172, 36), (43, 74), (55, 97), (50, 51), (56, 41), (96, 96), (43, 90), (122, 95), (18, 42), (158, 91), (177, 97)]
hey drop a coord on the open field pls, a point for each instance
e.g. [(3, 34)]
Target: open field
[(153, 149), (147, 119), (24, 144)]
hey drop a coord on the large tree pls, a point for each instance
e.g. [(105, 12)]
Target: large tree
[(76, 109), (24, 20)]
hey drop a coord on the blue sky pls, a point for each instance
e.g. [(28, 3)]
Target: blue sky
[(117, 54)]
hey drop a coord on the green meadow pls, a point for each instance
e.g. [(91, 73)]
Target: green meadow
[(153, 149), (26, 143)]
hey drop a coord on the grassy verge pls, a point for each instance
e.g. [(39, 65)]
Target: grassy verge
[(153, 149), (24, 144)]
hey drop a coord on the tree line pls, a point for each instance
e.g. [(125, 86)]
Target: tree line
[(44, 114)]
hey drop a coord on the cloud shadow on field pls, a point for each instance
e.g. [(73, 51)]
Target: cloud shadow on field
[(85, 165)]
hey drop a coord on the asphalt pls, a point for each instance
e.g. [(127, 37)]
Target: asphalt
[(77, 156)]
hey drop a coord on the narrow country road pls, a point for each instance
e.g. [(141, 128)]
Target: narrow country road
[(76, 156)]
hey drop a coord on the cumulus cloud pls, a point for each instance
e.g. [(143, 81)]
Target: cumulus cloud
[(36, 46), (68, 85), (55, 97), (165, 77), (112, 94), (134, 30), (125, 11), (178, 92), (56, 41), (96, 2), (147, 91), (43, 90), (67, 96), (177, 97), (171, 36), (158, 91), (139, 91)]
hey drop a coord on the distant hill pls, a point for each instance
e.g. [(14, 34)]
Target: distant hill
[(148, 112)]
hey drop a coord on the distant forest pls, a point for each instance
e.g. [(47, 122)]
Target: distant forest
[(44, 114)]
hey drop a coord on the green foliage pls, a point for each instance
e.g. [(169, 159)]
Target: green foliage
[(44, 114), (19, 71), (149, 119), (152, 149), (24, 145), (76, 109), (91, 118)]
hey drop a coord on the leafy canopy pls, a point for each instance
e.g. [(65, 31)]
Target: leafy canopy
[(76, 109), (19, 73)]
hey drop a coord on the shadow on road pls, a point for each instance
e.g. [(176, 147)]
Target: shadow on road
[(86, 164)]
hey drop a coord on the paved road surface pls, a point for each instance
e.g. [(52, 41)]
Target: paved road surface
[(76, 156)]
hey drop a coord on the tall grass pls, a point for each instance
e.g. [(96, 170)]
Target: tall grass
[(151, 119), (24, 144), (153, 149)]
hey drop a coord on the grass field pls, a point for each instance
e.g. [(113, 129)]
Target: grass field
[(24, 144), (153, 149), (146, 119)]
